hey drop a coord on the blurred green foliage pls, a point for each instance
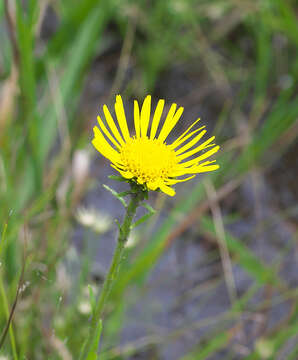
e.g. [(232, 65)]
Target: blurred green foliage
[(248, 49)]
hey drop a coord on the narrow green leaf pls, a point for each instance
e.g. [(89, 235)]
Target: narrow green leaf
[(144, 217), (2, 239), (213, 345), (25, 19), (74, 64), (117, 178), (244, 256), (277, 340), (92, 298), (76, 14), (92, 354), (115, 194)]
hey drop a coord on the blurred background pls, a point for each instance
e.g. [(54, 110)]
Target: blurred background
[(213, 274)]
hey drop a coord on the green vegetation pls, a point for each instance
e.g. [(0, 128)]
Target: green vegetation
[(239, 60)]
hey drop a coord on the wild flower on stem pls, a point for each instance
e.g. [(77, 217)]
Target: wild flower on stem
[(147, 162), (145, 157)]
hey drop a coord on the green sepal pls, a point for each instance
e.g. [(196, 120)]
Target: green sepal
[(139, 188), (118, 196)]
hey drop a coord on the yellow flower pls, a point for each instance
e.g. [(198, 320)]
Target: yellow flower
[(145, 157)]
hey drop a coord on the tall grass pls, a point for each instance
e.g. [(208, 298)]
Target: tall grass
[(245, 51)]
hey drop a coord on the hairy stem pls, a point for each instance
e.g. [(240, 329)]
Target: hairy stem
[(124, 231)]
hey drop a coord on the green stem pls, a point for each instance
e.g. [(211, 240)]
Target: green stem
[(124, 231), (5, 300), (6, 310)]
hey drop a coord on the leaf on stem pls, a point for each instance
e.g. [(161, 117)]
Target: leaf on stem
[(117, 178), (145, 217), (118, 196), (92, 298)]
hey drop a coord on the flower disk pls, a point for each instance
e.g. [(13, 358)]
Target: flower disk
[(145, 157), (148, 160)]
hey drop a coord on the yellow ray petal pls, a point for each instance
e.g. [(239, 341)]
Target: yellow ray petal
[(180, 172), (119, 109), (177, 141), (194, 162), (137, 119), (107, 133), (167, 190), (195, 150), (206, 154), (125, 174), (153, 185), (191, 143), (120, 165), (156, 118), (112, 125), (168, 119), (145, 115), (102, 146), (140, 180), (170, 122), (175, 145), (174, 181), (201, 168)]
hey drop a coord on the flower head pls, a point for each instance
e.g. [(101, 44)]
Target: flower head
[(146, 157)]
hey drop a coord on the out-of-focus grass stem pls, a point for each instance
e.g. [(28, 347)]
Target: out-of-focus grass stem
[(6, 309), (5, 301)]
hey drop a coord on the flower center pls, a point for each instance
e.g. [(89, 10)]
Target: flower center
[(148, 160)]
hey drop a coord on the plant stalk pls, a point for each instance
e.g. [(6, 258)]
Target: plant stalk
[(124, 231), (6, 310)]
